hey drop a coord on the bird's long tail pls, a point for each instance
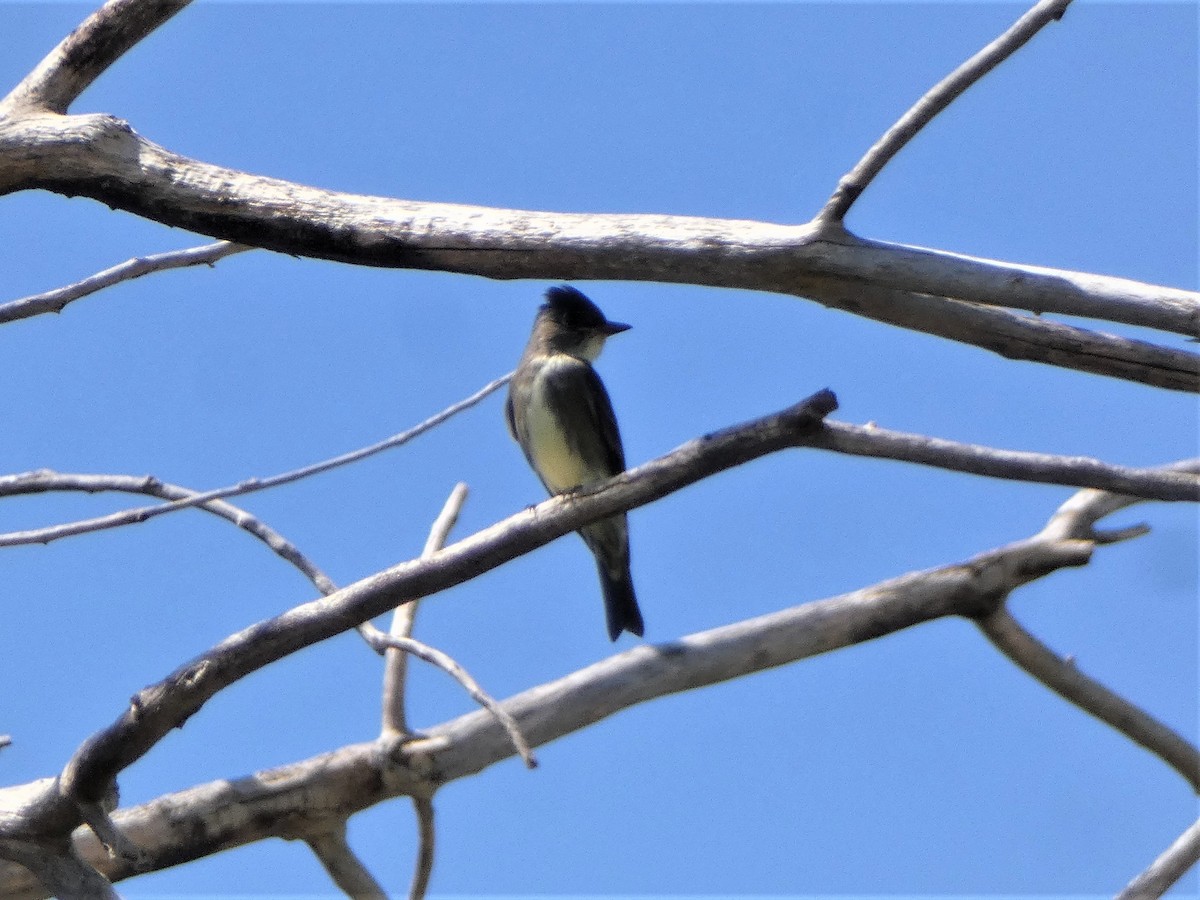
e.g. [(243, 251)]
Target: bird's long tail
[(620, 603)]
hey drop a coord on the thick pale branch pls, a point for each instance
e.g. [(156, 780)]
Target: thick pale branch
[(282, 802), (937, 99), (102, 157), (86, 52), (61, 872), (179, 827), (56, 300), (1038, 289)]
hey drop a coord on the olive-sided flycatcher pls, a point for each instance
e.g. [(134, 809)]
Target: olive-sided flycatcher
[(560, 414)]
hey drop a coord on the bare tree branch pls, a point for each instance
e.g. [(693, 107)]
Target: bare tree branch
[(1073, 471), (1038, 289), (395, 721), (1065, 679), (1167, 869), (282, 802), (61, 872), (156, 710), (56, 300), (96, 816), (1018, 465), (427, 837), (1076, 519), (44, 480), (86, 52), (1078, 516), (102, 157), (937, 99), (352, 878), (446, 663), (178, 827), (1015, 336)]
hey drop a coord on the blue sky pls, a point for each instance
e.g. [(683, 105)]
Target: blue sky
[(921, 763)]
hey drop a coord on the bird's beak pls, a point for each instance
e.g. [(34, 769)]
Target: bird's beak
[(611, 328)]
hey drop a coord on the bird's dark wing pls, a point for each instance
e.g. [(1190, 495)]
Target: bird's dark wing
[(508, 416)]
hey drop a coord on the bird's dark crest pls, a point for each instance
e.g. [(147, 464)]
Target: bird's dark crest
[(572, 309)]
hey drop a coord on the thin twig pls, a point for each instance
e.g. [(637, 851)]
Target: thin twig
[(38, 482), (447, 664), (1170, 866), (56, 300), (427, 837), (937, 99), (346, 870), (395, 660), (45, 481), (1065, 679)]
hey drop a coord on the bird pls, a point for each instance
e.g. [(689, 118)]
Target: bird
[(560, 414)]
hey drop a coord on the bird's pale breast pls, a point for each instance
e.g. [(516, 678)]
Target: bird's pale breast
[(559, 463)]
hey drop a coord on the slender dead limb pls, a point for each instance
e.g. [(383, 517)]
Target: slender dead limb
[(1078, 516), (1065, 679), (937, 99), (918, 271), (1158, 483), (427, 839), (1170, 866), (1076, 520), (395, 659), (447, 664), (56, 300), (44, 480), (1073, 471)]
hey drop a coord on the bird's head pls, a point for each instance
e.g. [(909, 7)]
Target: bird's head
[(571, 323)]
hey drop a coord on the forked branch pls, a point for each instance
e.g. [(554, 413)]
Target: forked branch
[(358, 776)]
